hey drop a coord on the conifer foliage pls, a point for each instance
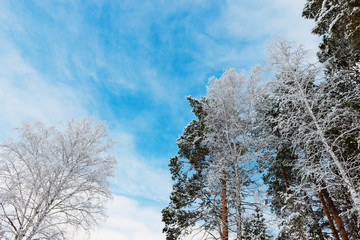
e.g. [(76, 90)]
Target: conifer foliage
[(295, 136), (337, 22), (192, 208), (255, 227)]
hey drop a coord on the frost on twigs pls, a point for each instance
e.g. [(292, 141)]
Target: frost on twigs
[(51, 178), (234, 138), (309, 114)]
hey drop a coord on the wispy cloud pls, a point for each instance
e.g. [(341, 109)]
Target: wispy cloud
[(62, 88), (139, 176), (131, 63), (128, 220), (25, 94), (242, 29)]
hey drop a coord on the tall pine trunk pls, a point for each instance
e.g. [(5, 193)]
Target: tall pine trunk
[(327, 213), (338, 220)]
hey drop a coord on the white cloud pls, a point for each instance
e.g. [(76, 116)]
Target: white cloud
[(137, 175), (26, 95), (258, 19), (239, 34), (127, 220), (243, 28)]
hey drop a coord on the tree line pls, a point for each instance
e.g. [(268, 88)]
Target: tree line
[(295, 136)]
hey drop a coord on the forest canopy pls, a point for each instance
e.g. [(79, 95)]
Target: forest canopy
[(281, 151)]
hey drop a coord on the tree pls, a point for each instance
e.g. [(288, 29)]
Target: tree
[(233, 138), (217, 161), (255, 227), (339, 95), (288, 62), (295, 207), (321, 126), (53, 178), (193, 208), (338, 22)]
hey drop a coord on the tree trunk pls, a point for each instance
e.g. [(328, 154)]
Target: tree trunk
[(353, 228), (239, 235), (285, 178), (238, 204), (224, 211), (339, 222), (331, 223)]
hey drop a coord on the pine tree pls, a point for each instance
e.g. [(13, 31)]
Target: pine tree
[(193, 207), (338, 23), (255, 227), (310, 118)]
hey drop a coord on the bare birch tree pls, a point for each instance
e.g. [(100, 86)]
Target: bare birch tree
[(51, 179)]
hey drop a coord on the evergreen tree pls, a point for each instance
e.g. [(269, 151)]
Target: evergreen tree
[(311, 118), (338, 23), (193, 207), (299, 216), (255, 227)]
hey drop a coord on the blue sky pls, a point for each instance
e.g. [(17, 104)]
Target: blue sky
[(131, 63)]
